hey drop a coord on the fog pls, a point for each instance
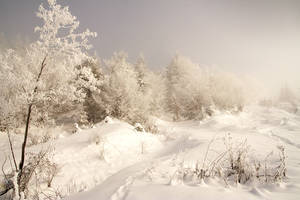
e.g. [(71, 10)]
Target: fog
[(257, 38)]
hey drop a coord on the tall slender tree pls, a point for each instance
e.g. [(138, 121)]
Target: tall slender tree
[(43, 76)]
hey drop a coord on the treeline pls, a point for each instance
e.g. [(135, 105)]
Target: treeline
[(182, 90), (120, 89)]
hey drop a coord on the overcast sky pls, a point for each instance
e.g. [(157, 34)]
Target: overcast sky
[(255, 37)]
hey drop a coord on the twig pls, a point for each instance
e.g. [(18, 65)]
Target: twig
[(8, 187), (12, 150), (11, 166), (5, 176), (215, 162), (208, 146)]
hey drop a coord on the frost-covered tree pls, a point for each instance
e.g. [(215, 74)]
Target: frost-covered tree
[(142, 71), (151, 85), (41, 80), (121, 96), (193, 92), (287, 95), (129, 92), (90, 79), (157, 93), (53, 58), (187, 89), (226, 90)]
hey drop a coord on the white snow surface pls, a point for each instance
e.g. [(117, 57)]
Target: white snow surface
[(112, 161)]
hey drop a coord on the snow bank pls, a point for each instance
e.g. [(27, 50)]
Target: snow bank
[(89, 156), (162, 176)]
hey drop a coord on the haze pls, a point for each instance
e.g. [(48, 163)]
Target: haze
[(260, 38)]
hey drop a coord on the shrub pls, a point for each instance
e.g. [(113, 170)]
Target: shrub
[(38, 171), (235, 165)]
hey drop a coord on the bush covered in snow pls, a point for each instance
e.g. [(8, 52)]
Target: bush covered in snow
[(235, 165)]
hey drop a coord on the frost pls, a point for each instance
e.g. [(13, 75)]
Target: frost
[(64, 48)]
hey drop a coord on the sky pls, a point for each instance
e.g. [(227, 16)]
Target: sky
[(259, 38)]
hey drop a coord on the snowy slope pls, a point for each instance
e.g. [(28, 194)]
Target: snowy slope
[(186, 144), (113, 161)]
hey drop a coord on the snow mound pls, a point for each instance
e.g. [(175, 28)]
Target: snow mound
[(119, 139), (91, 155)]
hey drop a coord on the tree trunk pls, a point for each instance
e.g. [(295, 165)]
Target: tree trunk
[(21, 165), (25, 139)]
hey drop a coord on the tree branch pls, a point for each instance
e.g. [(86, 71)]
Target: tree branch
[(12, 150), (8, 186)]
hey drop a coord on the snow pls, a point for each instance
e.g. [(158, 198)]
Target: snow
[(114, 161)]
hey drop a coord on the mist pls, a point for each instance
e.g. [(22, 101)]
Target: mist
[(259, 39)]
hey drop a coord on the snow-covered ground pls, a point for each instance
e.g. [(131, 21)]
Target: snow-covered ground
[(114, 161)]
